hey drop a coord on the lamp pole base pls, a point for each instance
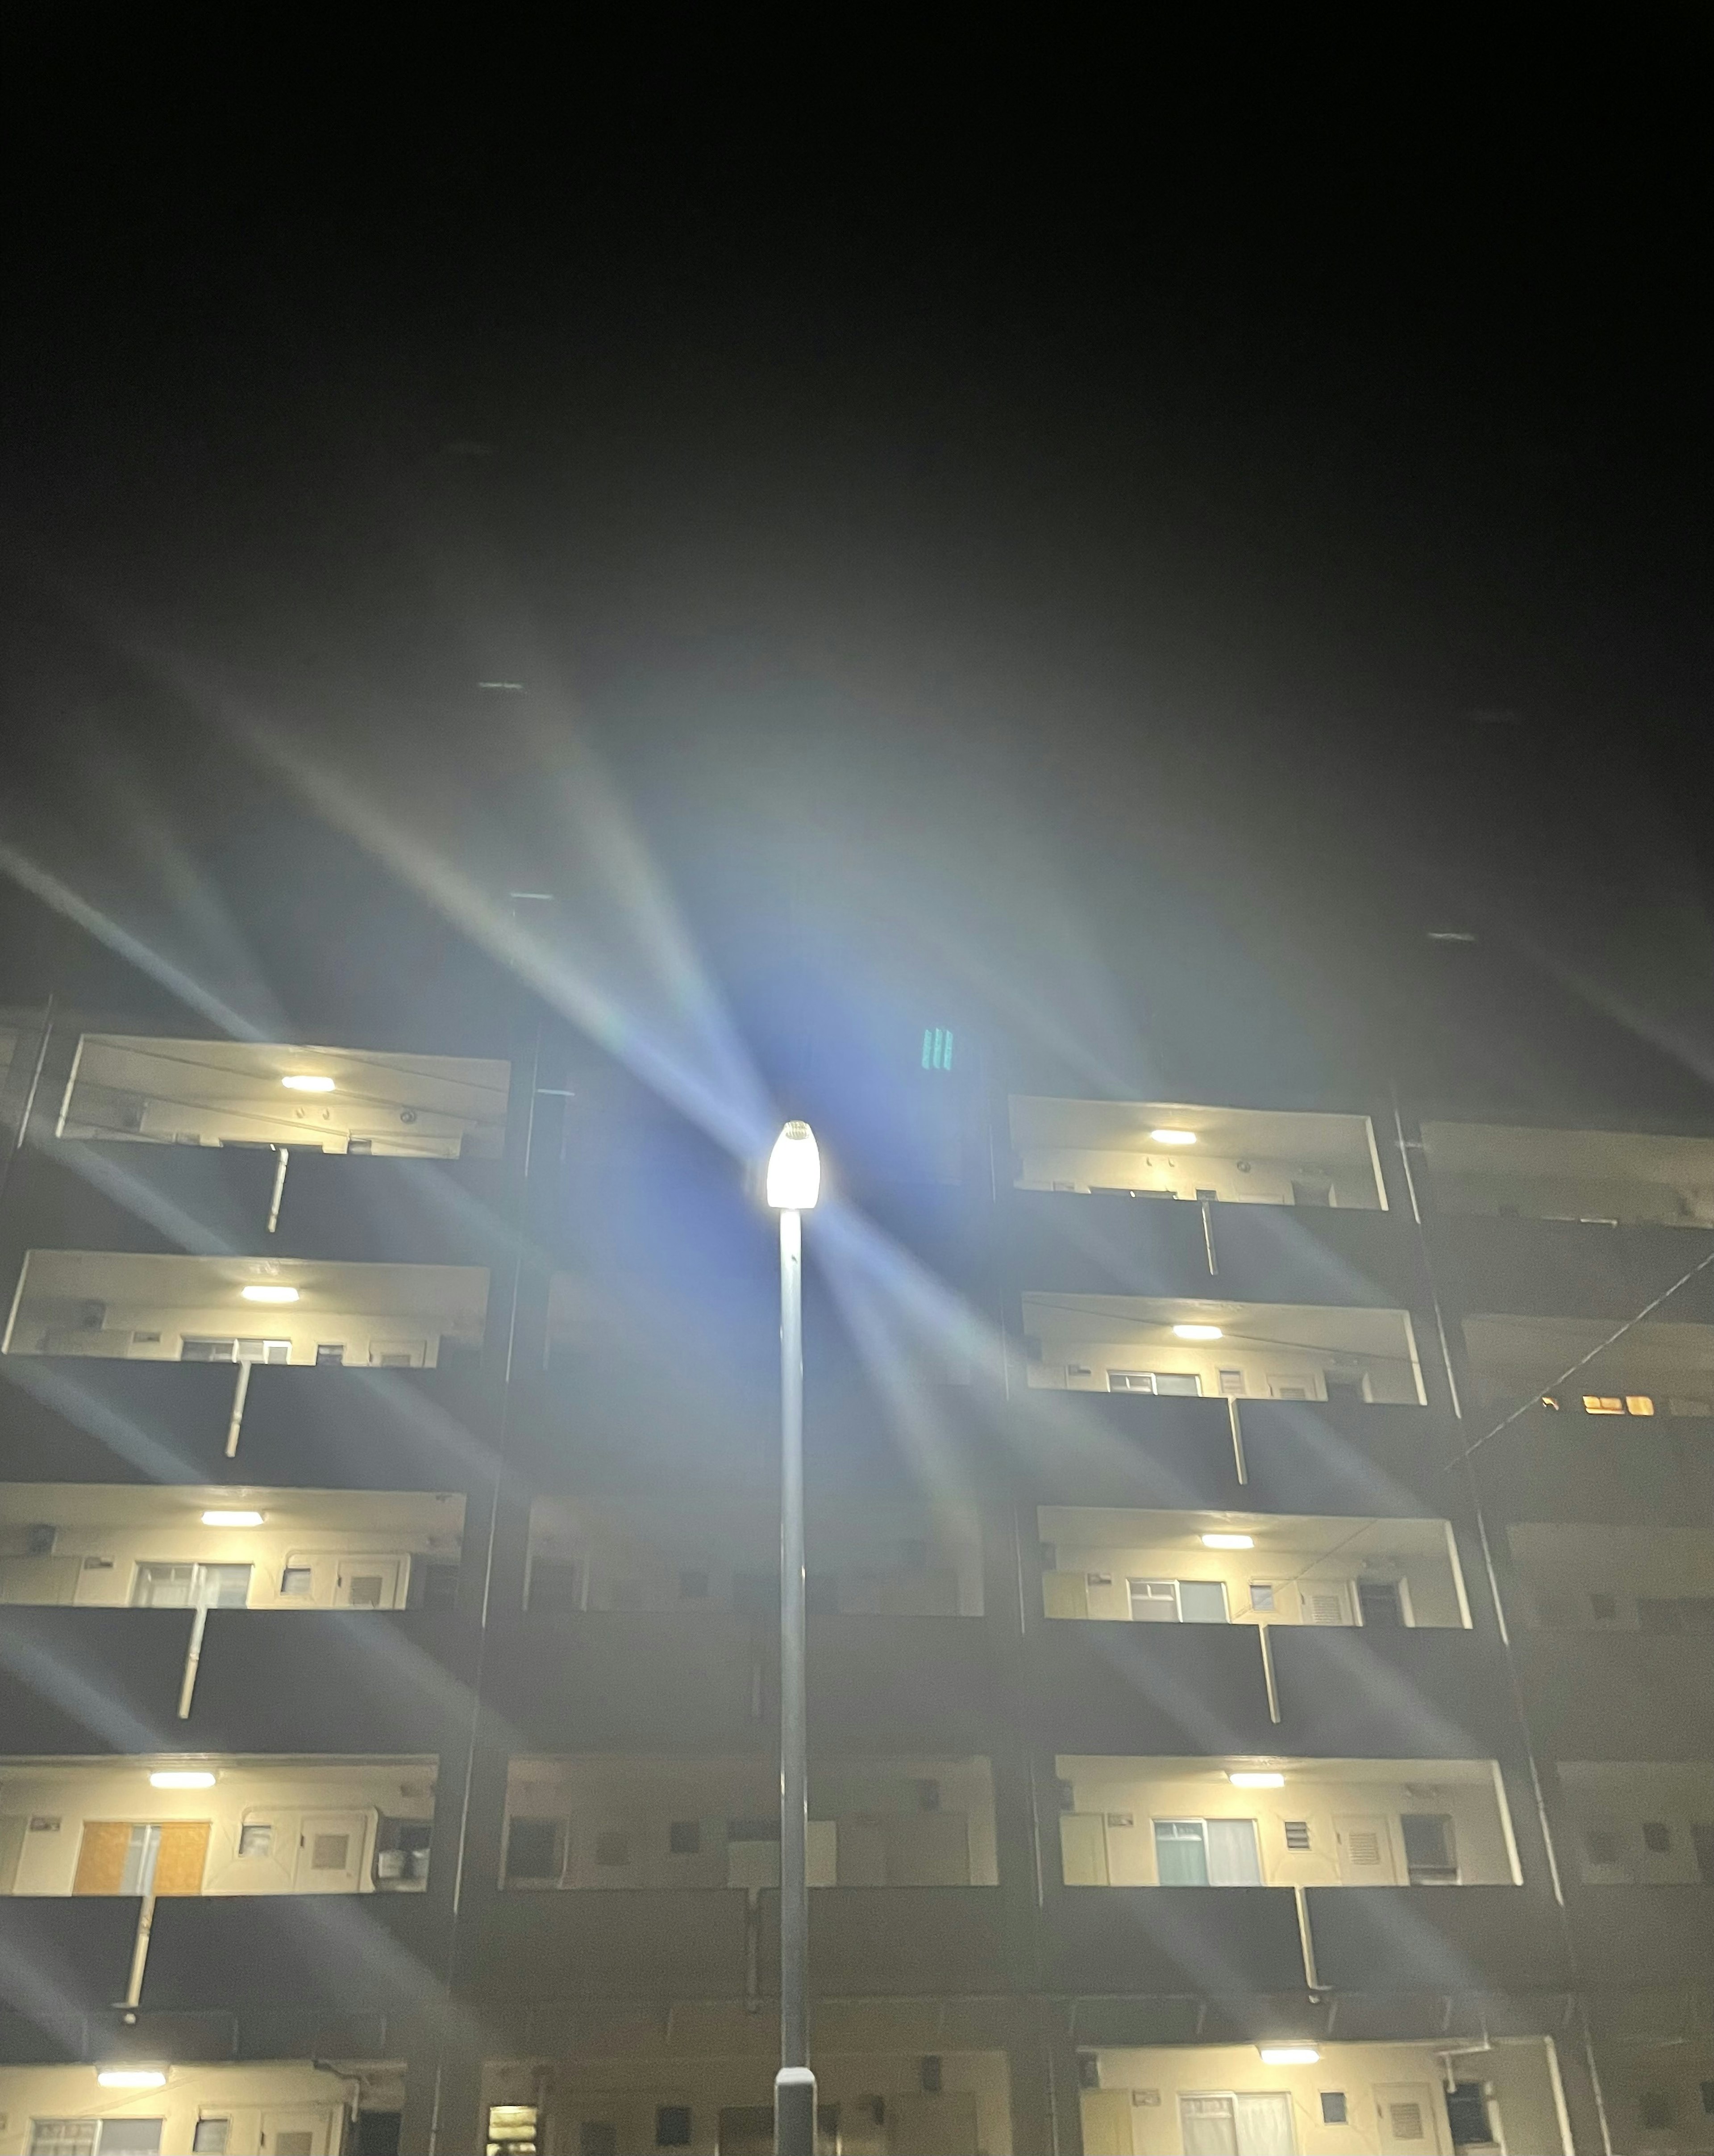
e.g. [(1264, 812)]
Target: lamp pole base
[(794, 2112)]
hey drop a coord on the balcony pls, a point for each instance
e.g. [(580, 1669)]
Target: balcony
[(81, 1682), (59, 1960), (1311, 1162), (1401, 1938), (1179, 1348), (1640, 1823), (84, 1306), (869, 2099), (330, 1681), (336, 1953), (1653, 2089), (227, 1545), (1605, 1179), (1244, 1567), (1654, 1370), (260, 2104), (1350, 1692), (199, 1825), (1400, 2088), (687, 1942), (719, 1556), (1628, 1695), (597, 1824), (1214, 1822), (139, 1090), (1148, 1687), (1275, 1205), (1169, 1939)]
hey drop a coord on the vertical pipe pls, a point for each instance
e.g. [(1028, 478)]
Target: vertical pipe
[(283, 1162), (790, 2107)]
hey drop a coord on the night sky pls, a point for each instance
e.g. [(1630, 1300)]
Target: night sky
[(1113, 543)]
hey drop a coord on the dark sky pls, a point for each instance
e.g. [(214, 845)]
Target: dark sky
[(1119, 541)]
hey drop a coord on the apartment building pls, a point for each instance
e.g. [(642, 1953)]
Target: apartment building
[(1260, 1581)]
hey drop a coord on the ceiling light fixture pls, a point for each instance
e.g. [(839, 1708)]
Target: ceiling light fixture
[(1196, 1332), (1208, 1541), (1289, 2055), (1173, 1137), (222, 1519), (306, 1083), (260, 1294), (137, 2077), (1257, 1778), (181, 1778)]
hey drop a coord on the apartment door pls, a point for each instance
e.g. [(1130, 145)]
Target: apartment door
[(299, 2132), (1106, 2122), (943, 2125), (1365, 1849), (368, 1582), (127, 1856), (330, 1853), (1408, 2115), (1083, 1849)]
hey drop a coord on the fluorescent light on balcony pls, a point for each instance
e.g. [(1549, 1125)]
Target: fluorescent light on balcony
[(1173, 1137), (305, 1082), (219, 1519), (182, 1778), (1196, 1332), (1259, 1779), (137, 2077), (261, 1294), (1289, 2055), (1208, 1541)]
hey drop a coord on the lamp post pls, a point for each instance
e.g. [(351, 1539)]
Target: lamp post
[(793, 1185)]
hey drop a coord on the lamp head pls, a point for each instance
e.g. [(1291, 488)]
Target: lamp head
[(794, 1170)]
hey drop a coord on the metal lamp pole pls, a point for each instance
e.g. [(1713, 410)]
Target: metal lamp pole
[(793, 1185)]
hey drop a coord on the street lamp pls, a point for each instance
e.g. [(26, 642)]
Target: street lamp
[(793, 1185)]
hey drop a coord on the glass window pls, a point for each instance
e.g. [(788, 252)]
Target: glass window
[(62, 2136), (211, 2137), (1202, 1601), (1181, 1853), (535, 1850), (1603, 1404), (296, 1581), (1154, 1601), (255, 1837)]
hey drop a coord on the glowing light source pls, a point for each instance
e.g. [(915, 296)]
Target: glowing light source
[(305, 1082), (131, 2076), (238, 1519), (794, 1170), (1208, 1541), (1289, 2055), (1196, 1332), (1257, 1778), (256, 1293), (182, 1778), (1173, 1137)]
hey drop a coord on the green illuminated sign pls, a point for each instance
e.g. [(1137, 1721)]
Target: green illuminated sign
[(938, 1048)]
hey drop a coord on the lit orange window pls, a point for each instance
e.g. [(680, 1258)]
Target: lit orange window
[(1639, 1403), (1603, 1404)]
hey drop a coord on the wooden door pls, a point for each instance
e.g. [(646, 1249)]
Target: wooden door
[(183, 1857), (102, 1857)]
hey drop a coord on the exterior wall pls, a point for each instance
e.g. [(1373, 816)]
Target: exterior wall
[(100, 1562), (288, 2094), (45, 1859), (874, 1809), (1091, 1578), (880, 2096), (1136, 2110), (1140, 1792)]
